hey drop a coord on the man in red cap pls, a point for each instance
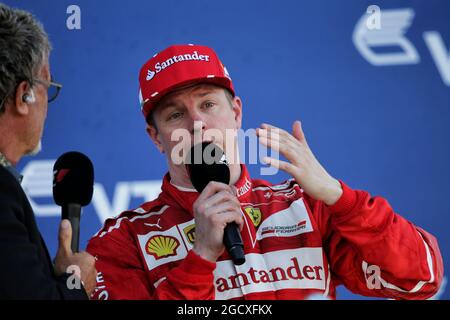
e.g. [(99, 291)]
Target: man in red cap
[(301, 238)]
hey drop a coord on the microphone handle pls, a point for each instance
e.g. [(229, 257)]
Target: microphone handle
[(72, 211), (233, 243)]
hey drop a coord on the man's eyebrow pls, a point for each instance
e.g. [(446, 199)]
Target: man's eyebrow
[(172, 103), (203, 93), (167, 104)]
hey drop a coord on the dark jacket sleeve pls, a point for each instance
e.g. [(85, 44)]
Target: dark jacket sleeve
[(25, 270)]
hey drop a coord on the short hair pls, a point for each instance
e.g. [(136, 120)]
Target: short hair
[(24, 45)]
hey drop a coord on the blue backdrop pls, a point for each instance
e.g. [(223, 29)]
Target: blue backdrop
[(375, 104)]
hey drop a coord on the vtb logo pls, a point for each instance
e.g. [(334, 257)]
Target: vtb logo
[(387, 45)]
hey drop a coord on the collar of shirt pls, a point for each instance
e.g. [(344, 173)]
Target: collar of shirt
[(184, 197), (8, 166)]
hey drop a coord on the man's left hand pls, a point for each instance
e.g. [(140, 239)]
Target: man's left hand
[(302, 164)]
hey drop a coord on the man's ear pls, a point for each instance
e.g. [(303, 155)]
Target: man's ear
[(154, 135), (21, 103), (237, 109)]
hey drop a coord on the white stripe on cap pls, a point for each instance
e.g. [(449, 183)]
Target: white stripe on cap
[(226, 72), (154, 94), (141, 100)]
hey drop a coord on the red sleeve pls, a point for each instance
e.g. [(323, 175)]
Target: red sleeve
[(122, 274), (193, 279), (375, 252)]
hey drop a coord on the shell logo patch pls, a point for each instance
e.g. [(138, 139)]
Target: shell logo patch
[(254, 214), (189, 231), (162, 246)]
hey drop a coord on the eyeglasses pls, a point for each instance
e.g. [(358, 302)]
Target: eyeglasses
[(52, 87)]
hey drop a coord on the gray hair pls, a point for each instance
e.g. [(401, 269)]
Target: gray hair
[(23, 47)]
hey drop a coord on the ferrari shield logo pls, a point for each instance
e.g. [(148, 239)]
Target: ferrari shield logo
[(254, 214), (189, 231)]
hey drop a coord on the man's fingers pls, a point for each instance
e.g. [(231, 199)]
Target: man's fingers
[(272, 130), (297, 131), (269, 126), (213, 194), (65, 237), (280, 164), (225, 207), (269, 141), (278, 137), (220, 198), (231, 216), (263, 133), (285, 147), (214, 187)]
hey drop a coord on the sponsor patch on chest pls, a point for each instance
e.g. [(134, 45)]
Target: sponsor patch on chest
[(291, 221), (301, 268), (161, 247)]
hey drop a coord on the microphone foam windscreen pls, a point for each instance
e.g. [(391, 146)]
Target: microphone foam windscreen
[(206, 162), (73, 179)]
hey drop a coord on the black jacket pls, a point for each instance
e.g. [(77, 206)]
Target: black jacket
[(26, 270)]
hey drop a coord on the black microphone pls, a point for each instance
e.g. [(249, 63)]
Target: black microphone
[(73, 186), (206, 162)]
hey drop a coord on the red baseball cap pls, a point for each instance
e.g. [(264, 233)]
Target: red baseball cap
[(178, 66)]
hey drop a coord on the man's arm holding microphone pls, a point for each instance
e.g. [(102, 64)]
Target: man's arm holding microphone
[(193, 278), (65, 258), (26, 270), (73, 181), (216, 206), (23, 275)]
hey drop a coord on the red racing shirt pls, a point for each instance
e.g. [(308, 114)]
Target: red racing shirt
[(295, 248)]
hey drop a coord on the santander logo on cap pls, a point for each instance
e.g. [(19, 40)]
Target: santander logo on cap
[(177, 66), (150, 75), (159, 66)]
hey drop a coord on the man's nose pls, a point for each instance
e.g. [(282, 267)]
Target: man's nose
[(198, 123)]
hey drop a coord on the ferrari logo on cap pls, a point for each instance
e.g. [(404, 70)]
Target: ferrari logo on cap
[(254, 214), (162, 246)]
